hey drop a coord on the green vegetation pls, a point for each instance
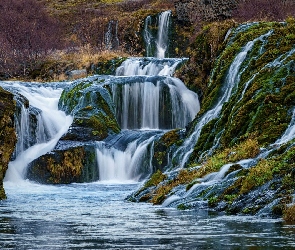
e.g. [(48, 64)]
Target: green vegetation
[(155, 179)]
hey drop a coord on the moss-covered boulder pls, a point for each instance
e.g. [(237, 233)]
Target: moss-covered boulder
[(67, 163), (7, 134), (90, 103)]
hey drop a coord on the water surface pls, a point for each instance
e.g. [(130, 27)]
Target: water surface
[(97, 216)]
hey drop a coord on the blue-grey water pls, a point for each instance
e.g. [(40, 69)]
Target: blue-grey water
[(97, 216)]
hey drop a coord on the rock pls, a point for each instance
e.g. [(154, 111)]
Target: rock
[(91, 105), (76, 74), (7, 135), (204, 10), (69, 162)]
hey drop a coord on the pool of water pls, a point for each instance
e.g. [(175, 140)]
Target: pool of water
[(97, 216)]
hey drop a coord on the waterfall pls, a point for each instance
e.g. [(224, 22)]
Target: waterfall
[(130, 163), (231, 81), (35, 136), (154, 103), (160, 41), (148, 37), (111, 36), (146, 97)]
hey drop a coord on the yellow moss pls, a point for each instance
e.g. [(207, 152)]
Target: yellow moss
[(258, 175), (289, 213), (184, 176), (69, 168)]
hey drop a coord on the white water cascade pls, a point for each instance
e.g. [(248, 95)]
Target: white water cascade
[(50, 124), (162, 41), (231, 81), (149, 99), (158, 42), (130, 163)]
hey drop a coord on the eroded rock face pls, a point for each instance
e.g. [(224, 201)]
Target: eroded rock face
[(7, 134), (204, 10)]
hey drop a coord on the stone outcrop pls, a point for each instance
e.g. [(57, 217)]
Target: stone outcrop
[(204, 10), (67, 163), (7, 134)]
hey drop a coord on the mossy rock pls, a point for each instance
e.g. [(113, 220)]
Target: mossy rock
[(7, 134), (90, 102), (74, 164)]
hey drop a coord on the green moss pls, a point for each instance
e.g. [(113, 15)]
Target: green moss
[(163, 146), (155, 179), (183, 207)]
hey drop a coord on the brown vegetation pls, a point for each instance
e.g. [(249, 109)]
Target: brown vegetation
[(27, 33), (271, 10)]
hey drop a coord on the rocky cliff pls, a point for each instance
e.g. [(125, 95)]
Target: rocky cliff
[(204, 10), (7, 134)]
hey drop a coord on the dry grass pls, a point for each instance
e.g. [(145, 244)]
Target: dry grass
[(289, 213), (85, 56)]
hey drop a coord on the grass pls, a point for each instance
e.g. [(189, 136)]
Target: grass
[(55, 66), (289, 213)]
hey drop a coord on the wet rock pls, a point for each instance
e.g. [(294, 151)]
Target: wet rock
[(91, 105), (7, 136), (69, 162), (76, 74)]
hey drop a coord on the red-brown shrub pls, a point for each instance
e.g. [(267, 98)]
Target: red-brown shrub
[(27, 33), (272, 10)]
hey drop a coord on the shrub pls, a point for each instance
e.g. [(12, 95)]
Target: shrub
[(27, 33), (264, 10)]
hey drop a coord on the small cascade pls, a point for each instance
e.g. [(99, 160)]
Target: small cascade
[(111, 36), (132, 162), (30, 128), (148, 37), (39, 126), (289, 133), (157, 44), (162, 41), (149, 66), (231, 81), (154, 103)]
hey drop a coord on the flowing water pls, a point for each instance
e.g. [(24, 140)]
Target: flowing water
[(97, 215)]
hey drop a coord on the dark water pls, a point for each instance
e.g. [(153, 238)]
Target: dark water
[(96, 216)]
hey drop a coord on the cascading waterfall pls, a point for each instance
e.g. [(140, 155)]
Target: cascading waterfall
[(130, 163), (48, 126), (231, 81), (154, 103), (160, 41), (148, 98)]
